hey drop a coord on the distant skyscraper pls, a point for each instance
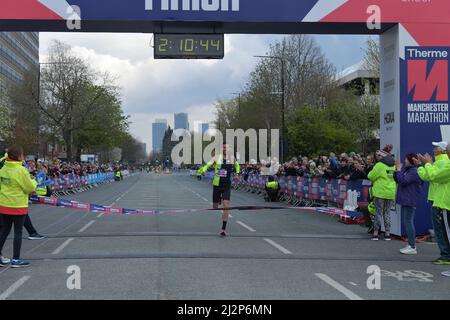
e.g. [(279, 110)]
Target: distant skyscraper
[(159, 128), (143, 147), (203, 127), (181, 121)]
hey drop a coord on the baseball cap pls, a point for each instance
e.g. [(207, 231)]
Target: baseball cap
[(443, 145)]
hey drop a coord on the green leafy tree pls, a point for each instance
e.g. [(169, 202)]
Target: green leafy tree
[(22, 113), (311, 131), (105, 127), (132, 151)]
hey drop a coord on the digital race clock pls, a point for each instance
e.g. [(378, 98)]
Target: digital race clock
[(189, 46)]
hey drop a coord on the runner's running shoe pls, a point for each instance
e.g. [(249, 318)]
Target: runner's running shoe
[(441, 262)]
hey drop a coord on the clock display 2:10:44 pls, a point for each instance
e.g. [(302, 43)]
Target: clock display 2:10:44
[(188, 45)]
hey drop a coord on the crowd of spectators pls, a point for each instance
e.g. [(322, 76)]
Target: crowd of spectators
[(348, 166), (57, 168)]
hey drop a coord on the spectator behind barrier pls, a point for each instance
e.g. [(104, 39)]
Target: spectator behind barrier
[(408, 197)]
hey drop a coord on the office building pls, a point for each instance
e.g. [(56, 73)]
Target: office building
[(19, 52), (203, 127), (159, 128), (181, 121)]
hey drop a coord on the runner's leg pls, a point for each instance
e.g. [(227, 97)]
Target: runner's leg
[(225, 214), (226, 194)]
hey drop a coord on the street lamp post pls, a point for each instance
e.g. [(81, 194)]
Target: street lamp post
[(283, 106)]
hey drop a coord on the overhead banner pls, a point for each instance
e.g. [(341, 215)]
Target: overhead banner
[(263, 11)]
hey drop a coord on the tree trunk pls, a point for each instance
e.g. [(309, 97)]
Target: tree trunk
[(78, 155), (67, 136)]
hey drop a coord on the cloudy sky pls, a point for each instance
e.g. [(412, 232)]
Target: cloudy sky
[(158, 88)]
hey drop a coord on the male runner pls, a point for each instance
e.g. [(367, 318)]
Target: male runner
[(224, 164)]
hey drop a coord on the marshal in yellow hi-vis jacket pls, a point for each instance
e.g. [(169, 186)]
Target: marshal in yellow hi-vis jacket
[(15, 186)]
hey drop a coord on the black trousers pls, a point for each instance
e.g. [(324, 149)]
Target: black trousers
[(27, 224), (8, 222), (272, 195)]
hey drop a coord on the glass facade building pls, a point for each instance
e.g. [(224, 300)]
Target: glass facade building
[(19, 52), (181, 121), (203, 127), (159, 128)]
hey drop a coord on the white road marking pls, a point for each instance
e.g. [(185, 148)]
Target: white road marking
[(346, 292), (123, 195), (230, 216), (279, 247), (246, 226), (58, 233), (198, 195), (86, 226), (16, 285), (118, 199), (63, 245), (100, 215), (353, 284)]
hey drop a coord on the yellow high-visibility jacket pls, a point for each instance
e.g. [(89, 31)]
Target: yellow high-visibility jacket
[(15, 186)]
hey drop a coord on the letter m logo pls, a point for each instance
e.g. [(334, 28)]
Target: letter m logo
[(428, 80)]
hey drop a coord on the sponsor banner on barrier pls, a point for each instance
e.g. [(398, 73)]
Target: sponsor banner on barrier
[(64, 203), (96, 207), (80, 205), (52, 201), (114, 210), (312, 188), (129, 211), (109, 210), (73, 181)]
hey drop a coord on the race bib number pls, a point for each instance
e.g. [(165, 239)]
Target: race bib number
[(222, 173)]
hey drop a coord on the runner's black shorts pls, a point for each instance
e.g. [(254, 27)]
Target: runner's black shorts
[(221, 193)]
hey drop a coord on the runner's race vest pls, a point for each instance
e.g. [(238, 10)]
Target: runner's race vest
[(222, 172)]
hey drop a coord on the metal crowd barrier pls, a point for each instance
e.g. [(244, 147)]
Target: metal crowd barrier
[(305, 192), (71, 184)]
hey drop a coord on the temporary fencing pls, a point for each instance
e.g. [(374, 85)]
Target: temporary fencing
[(71, 183), (311, 192)]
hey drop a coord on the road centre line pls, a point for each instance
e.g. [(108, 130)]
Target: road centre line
[(16, 285), (276, 245), (86, 226), (63, 245), (245, 226), (336, 285)]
